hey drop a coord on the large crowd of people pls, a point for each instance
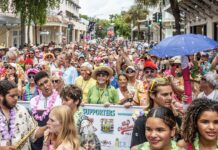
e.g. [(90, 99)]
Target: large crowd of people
[(58, 80)]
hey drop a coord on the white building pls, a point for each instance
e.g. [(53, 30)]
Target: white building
[(201, 17), (152, 32), (61, 22), (198, 17)]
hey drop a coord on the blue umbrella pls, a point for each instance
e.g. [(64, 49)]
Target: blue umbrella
[(181, 45)]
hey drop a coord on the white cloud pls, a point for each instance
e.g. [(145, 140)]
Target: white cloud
[(103, 8)]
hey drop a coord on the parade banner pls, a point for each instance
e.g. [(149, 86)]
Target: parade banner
[(113, 125)]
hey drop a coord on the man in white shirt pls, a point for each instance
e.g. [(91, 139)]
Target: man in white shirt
[(42, 104), (208, 86)]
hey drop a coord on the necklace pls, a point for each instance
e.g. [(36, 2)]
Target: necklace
[(28, 93), (9, 133), (196, 144), (48, 109), (85, 84), (101, 93), (146, 146)]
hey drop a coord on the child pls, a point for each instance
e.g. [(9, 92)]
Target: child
[(200, 126), (160, 129), (61, 133)]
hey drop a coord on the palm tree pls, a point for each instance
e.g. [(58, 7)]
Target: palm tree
[(135, 14), (174, 4)]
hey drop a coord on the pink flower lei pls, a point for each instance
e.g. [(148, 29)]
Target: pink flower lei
[(48, 109), (10, 132)]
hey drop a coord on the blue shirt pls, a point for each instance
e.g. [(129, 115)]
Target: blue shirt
[(69, 75)]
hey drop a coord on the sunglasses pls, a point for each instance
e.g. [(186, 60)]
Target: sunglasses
[(149, 71), (55, 81), (31, 76), (9, 67), (158, 81), (103, 73), (130, 71)]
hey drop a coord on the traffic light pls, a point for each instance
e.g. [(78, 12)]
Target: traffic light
[(91, 26), (149, 24), (155, 17), (146, 23), (159, 17)]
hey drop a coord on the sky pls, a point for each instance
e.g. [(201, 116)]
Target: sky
[(103, 8)]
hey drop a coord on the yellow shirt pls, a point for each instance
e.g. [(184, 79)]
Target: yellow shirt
[(141, 93), (85, 86)]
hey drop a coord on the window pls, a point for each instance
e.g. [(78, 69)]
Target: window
[(200, 29), (14, 33)]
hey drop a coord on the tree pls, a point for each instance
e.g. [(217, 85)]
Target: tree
[(135, 14), (122, 27), (38, 12), (84, 16), (174, 4), (29, 10), (101, 27)]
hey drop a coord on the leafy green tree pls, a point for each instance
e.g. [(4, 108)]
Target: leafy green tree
[(29, 10), (84, 16), (122, 27), (101, 27), (134, 14)]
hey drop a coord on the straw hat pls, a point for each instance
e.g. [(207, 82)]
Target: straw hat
[(175, 60), (102, 68), (49, 54)]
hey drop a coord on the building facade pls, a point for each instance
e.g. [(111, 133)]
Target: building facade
[(60, 22), (197, 17), (201, 17)]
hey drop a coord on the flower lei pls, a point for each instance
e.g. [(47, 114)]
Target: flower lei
[(28, 98), (10, 132), (196, 143), (48, 109), (146, 146)]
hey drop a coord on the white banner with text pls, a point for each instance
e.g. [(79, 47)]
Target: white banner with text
[(113, 125)]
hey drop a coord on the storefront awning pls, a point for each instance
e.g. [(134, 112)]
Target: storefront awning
[(8, 20)]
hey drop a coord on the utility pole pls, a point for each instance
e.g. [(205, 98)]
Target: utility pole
[(149, 30), (160, 21)]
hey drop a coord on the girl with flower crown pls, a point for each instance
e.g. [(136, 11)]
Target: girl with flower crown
[(160, 130), (200, 126)]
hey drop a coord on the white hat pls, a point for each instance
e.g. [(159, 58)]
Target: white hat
[(132, 50), (176, 60), (87, 65), (212, 78), (12, 49)]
